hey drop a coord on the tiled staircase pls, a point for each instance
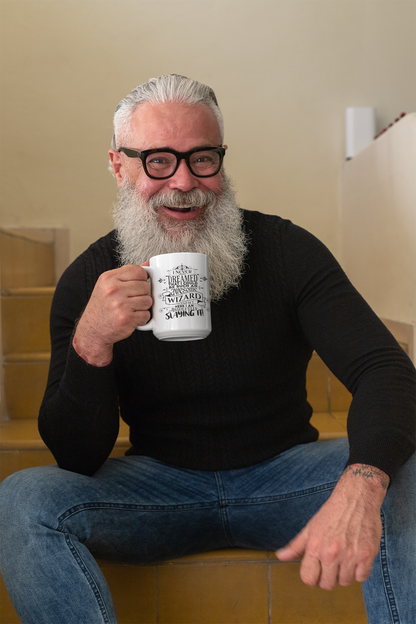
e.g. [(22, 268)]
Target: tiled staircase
[(222, 587)]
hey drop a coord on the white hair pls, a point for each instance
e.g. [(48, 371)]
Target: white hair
[(170, 88)]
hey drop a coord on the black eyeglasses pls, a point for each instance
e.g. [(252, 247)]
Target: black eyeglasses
[(161, 164)]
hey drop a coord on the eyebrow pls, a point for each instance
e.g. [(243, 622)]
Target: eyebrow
[(166, 147)]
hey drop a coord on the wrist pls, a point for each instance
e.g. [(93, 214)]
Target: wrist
[(363, 479), (94, 354), (369, 473)]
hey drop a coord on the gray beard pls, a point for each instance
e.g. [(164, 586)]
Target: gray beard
[(218, 233)]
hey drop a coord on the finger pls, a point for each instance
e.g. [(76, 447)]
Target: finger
[(362, 572), (346, 573), (328, 576), (137, 288), (110, 281), (320, 564), (130, 295), (144, 302), (310, 570), (142, 318), (132, 272), (295, 548), (345, 577)]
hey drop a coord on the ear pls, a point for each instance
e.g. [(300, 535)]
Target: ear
[(118, 167)]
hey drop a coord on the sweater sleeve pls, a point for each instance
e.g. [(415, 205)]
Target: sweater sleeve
[(78, 418), (358, 349)]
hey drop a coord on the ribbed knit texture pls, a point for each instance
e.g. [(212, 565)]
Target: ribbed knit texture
[(238, 397)]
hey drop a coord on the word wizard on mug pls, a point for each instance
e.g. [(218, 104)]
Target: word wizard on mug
[(180, 291)]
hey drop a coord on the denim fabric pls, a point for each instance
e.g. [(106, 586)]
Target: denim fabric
[(136, 509)]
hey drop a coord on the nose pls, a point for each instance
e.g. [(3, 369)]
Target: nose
[(183, 179)]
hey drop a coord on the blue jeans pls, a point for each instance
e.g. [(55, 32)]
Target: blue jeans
[(136, 509)]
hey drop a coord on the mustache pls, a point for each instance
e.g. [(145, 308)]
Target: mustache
[(183, 199)]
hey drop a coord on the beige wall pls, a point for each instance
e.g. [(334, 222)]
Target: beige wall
[(284, 72), (378, 225)]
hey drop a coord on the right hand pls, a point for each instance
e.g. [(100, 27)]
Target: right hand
[(119, 302)]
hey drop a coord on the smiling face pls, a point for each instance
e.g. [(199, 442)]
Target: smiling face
[(183, 213), (180, 127)]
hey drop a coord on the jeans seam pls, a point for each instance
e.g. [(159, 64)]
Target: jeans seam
[(127, 507), (281, 497), (88, 576), (222, 507), (386, 576), (232, 501)]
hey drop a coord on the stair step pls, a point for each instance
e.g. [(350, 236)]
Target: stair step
[(20, 437), (28, 291), (25, 319), (22, 447), (24, 261), (23, 434), (33, 356), (240, 586), (25, 377)]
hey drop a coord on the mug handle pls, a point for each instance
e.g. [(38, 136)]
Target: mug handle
[(150, 324)]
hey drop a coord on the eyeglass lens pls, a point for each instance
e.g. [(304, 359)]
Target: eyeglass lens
[(203, 163)]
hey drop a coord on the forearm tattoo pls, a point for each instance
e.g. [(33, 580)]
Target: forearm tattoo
[(368, 472)]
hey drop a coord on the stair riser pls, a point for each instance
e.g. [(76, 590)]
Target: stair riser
[(25, 324), (12, 461), (226, 593), (25, 384), (221, 593), (25, 262)]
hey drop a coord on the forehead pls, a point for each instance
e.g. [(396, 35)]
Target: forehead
[(175, 125)]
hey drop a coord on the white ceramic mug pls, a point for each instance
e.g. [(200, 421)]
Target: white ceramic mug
[(180, 291)]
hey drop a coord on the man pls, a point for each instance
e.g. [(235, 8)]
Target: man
[(222, 450)]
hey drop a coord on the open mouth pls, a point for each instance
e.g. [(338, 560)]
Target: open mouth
[(175, 209)]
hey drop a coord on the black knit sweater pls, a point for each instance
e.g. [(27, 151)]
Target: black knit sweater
[(238, 397)]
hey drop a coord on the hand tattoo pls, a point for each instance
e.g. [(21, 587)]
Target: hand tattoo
[(368, 472)]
